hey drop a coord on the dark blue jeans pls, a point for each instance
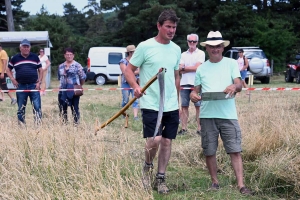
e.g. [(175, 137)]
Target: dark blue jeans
[(63, 108), (35, 100)]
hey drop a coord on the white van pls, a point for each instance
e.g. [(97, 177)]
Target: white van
[(103, 64)]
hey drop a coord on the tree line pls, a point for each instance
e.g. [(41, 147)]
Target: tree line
[(272, 25)]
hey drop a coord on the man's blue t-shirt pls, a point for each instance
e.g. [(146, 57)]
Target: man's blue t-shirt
[(26, 68)]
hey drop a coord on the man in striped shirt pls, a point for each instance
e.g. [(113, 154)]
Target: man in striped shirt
[(28, 77)]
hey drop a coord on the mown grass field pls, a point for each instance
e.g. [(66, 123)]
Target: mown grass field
[(56, 161)]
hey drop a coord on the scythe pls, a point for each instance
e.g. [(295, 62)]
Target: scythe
[(122, 111)]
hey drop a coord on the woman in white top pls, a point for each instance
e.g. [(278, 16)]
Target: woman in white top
[(45, 65), (243, 65)]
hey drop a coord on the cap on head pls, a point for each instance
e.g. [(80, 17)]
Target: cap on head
[(130, 48), (25, 42), (215, 38)]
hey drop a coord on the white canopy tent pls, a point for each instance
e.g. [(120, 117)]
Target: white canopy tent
[(37, 38)]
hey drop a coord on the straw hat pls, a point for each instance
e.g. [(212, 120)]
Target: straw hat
[(130, 48), (215, 38)]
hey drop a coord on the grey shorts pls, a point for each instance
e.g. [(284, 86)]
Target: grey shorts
[(185, 96), (229, 130)]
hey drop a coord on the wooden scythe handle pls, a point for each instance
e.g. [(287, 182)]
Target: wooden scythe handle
[(97, 128), (126, 119)]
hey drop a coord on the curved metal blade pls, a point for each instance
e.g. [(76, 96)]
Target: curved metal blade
[(161, 82)]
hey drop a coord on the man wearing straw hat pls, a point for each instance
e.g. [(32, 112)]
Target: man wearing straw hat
[(219, 117)]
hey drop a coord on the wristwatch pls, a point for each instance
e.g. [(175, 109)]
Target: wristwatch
[(182, 68)]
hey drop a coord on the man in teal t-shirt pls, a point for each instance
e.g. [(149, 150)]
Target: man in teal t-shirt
[(219, 117), (150, 56)]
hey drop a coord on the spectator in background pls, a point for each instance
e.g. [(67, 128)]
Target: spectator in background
[(45, 65), (71, 73), (189, 62), (3, 75), (126, 92), (29, 72), (243, 65)]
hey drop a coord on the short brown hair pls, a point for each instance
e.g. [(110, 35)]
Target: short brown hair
[(168, 14), (68, 49)]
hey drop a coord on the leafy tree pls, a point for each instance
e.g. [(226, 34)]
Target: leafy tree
[(138, 20), (276, 37), (97, 26), (75, 19), (60, 35), (93, 6), (18, 14)]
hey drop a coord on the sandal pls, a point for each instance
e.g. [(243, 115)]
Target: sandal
[(246, 191)]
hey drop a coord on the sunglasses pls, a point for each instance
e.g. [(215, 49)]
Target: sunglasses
[(192, 41)]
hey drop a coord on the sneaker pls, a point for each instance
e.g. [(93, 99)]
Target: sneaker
[(246, 191), (136, 119), (160, 184), (214, 187), (13, 101), (182, 132), (147, 175)]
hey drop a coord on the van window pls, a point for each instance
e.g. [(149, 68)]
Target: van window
[(114, 58), (227, 54), (235, 55)]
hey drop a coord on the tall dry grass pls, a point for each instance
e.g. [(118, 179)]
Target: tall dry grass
[(55, 161), (270, 142)]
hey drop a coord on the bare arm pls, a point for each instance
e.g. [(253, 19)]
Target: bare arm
[(187, 69), (194, 96), (123, 67), (130, 78), (235, 87), (246, 64), (48, 63), (39, 81), (177, 83), (4, 64), (10, 75)]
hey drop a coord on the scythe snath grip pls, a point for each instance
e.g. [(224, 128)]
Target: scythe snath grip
[(97, 128)]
